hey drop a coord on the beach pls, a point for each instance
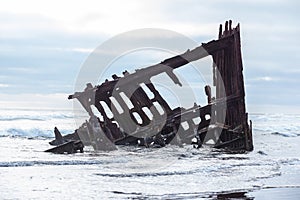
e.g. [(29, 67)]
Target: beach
[(271, 170)]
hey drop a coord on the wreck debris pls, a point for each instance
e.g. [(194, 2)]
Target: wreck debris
[(68, 147), (228, 61), (208, 93), (223, 120), (66, 144), (59, 139)]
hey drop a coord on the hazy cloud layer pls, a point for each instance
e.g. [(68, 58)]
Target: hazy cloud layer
[(44, 43)]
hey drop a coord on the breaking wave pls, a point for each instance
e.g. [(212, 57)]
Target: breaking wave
[(31, 133), (287, 134), (276, 124), (11, 118), (46, 163), (35, 123), (35, 116)]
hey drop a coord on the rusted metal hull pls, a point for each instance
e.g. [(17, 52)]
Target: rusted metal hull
[(223, 120)]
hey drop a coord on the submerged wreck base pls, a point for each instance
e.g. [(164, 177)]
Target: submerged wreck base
[(223, 120), (68, 147)]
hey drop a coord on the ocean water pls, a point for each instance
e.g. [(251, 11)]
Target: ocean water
[(271, 171)]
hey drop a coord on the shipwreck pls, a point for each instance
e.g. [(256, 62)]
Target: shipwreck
[(223, 120)]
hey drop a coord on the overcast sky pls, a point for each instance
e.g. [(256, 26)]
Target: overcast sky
[(43, 44)]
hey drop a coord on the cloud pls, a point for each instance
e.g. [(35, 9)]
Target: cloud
[(44, 43), (31, 100), (266, 78), (96, 17), (4, 85)]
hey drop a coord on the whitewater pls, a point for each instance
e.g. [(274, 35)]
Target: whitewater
[(172, 172)]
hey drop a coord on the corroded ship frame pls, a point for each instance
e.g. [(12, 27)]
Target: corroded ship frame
[(224, 119)]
